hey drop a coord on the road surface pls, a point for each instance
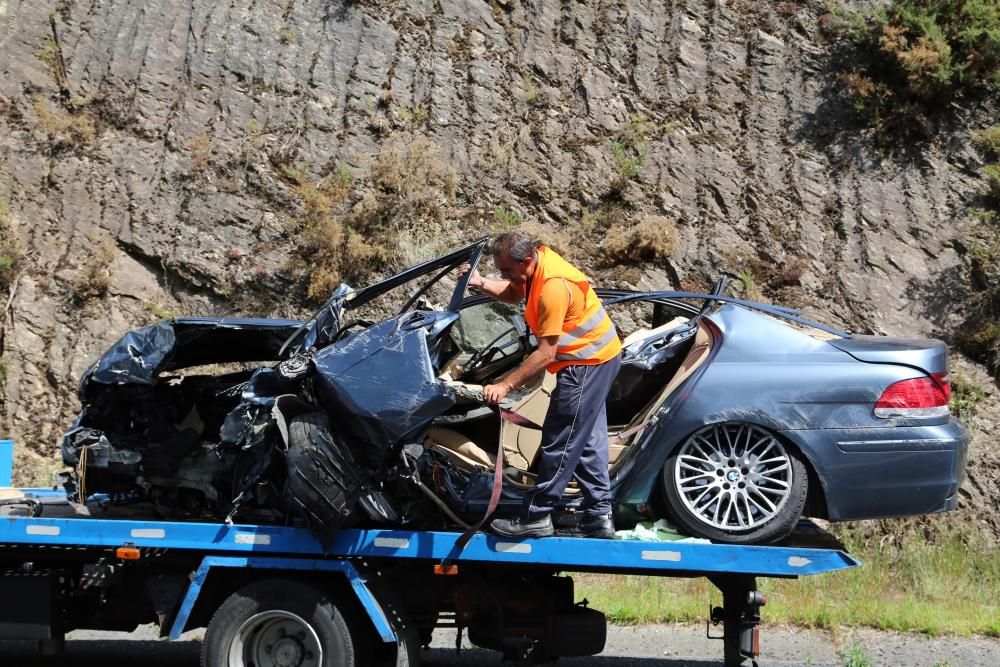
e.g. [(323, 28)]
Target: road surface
[(628, 646)]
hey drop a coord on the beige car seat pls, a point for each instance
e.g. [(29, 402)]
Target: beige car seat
[(520, 444), (466, 454)]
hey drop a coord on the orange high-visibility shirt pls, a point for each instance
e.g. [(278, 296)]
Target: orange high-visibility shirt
[(561, 302)]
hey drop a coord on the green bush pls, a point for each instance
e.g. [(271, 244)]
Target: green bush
[(505, 219), (910, 56), (987, 141), (991, 173), (628, 151), (530, 90)]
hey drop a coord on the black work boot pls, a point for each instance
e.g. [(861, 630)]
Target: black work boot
[(519, 527), (597, 525)]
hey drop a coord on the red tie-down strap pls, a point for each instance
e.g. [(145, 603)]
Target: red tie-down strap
[(518, 420)]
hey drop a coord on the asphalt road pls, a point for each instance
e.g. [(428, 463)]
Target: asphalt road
[(639, 646)]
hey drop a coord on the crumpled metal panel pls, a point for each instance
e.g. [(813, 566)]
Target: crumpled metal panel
[(136, 358), (380, 384)]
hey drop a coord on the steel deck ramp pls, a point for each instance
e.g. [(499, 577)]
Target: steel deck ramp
[(563, 553)]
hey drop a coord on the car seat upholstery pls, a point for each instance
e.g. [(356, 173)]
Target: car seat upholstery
[(520, 444), (459, 448)]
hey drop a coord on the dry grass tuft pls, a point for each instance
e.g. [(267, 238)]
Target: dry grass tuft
[(413, 191), (322, 238), (652, 238), (62, 127), (399, 219), (94, 280), (201, 152)]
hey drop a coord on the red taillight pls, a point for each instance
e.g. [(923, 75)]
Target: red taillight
[(926, 396)]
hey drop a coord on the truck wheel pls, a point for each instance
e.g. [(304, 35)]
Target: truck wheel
[(277, 622), (736, 483), (324, 481)]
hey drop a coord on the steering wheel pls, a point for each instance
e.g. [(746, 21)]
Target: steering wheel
[(485, 354)]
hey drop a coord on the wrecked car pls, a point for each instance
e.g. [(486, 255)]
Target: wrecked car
[(730, 418)]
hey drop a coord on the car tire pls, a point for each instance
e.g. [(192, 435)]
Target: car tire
[(736, 483), (278, 615), (324, 482)]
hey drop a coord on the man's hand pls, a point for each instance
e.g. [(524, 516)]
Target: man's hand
[(475, 280), (494, 393)]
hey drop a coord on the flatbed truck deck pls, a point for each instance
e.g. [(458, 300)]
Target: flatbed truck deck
[(273, 595)]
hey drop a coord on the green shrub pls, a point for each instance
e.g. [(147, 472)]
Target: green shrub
[(628, 151), (987, 141), (854, 656), (965, 397), (506, 219), (908, 58), (991, 173), (530, 90)]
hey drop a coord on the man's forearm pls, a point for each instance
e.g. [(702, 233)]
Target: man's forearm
[(498, 289), (529, 368)]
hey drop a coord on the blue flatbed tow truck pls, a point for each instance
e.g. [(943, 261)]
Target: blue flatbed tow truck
[(273, 596)]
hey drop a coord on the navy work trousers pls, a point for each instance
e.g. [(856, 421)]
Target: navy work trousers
[(575, 441)]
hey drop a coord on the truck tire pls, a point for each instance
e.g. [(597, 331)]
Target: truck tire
[(277, 618), (324, 481), (736, 483)]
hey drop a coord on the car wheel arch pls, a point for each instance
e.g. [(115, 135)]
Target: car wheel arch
[(816, 503)]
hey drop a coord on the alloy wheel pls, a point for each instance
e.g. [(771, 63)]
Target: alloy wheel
[(733, 476)]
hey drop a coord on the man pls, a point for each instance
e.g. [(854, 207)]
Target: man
[(578, 342)]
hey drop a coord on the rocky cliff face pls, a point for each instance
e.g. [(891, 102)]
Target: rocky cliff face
[(153, 156)]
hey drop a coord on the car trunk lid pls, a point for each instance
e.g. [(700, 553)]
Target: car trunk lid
[(926, 354)]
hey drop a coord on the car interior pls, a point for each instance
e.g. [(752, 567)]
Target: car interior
[(656, 361)]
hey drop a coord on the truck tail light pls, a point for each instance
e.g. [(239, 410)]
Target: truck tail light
[(925, 396)]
